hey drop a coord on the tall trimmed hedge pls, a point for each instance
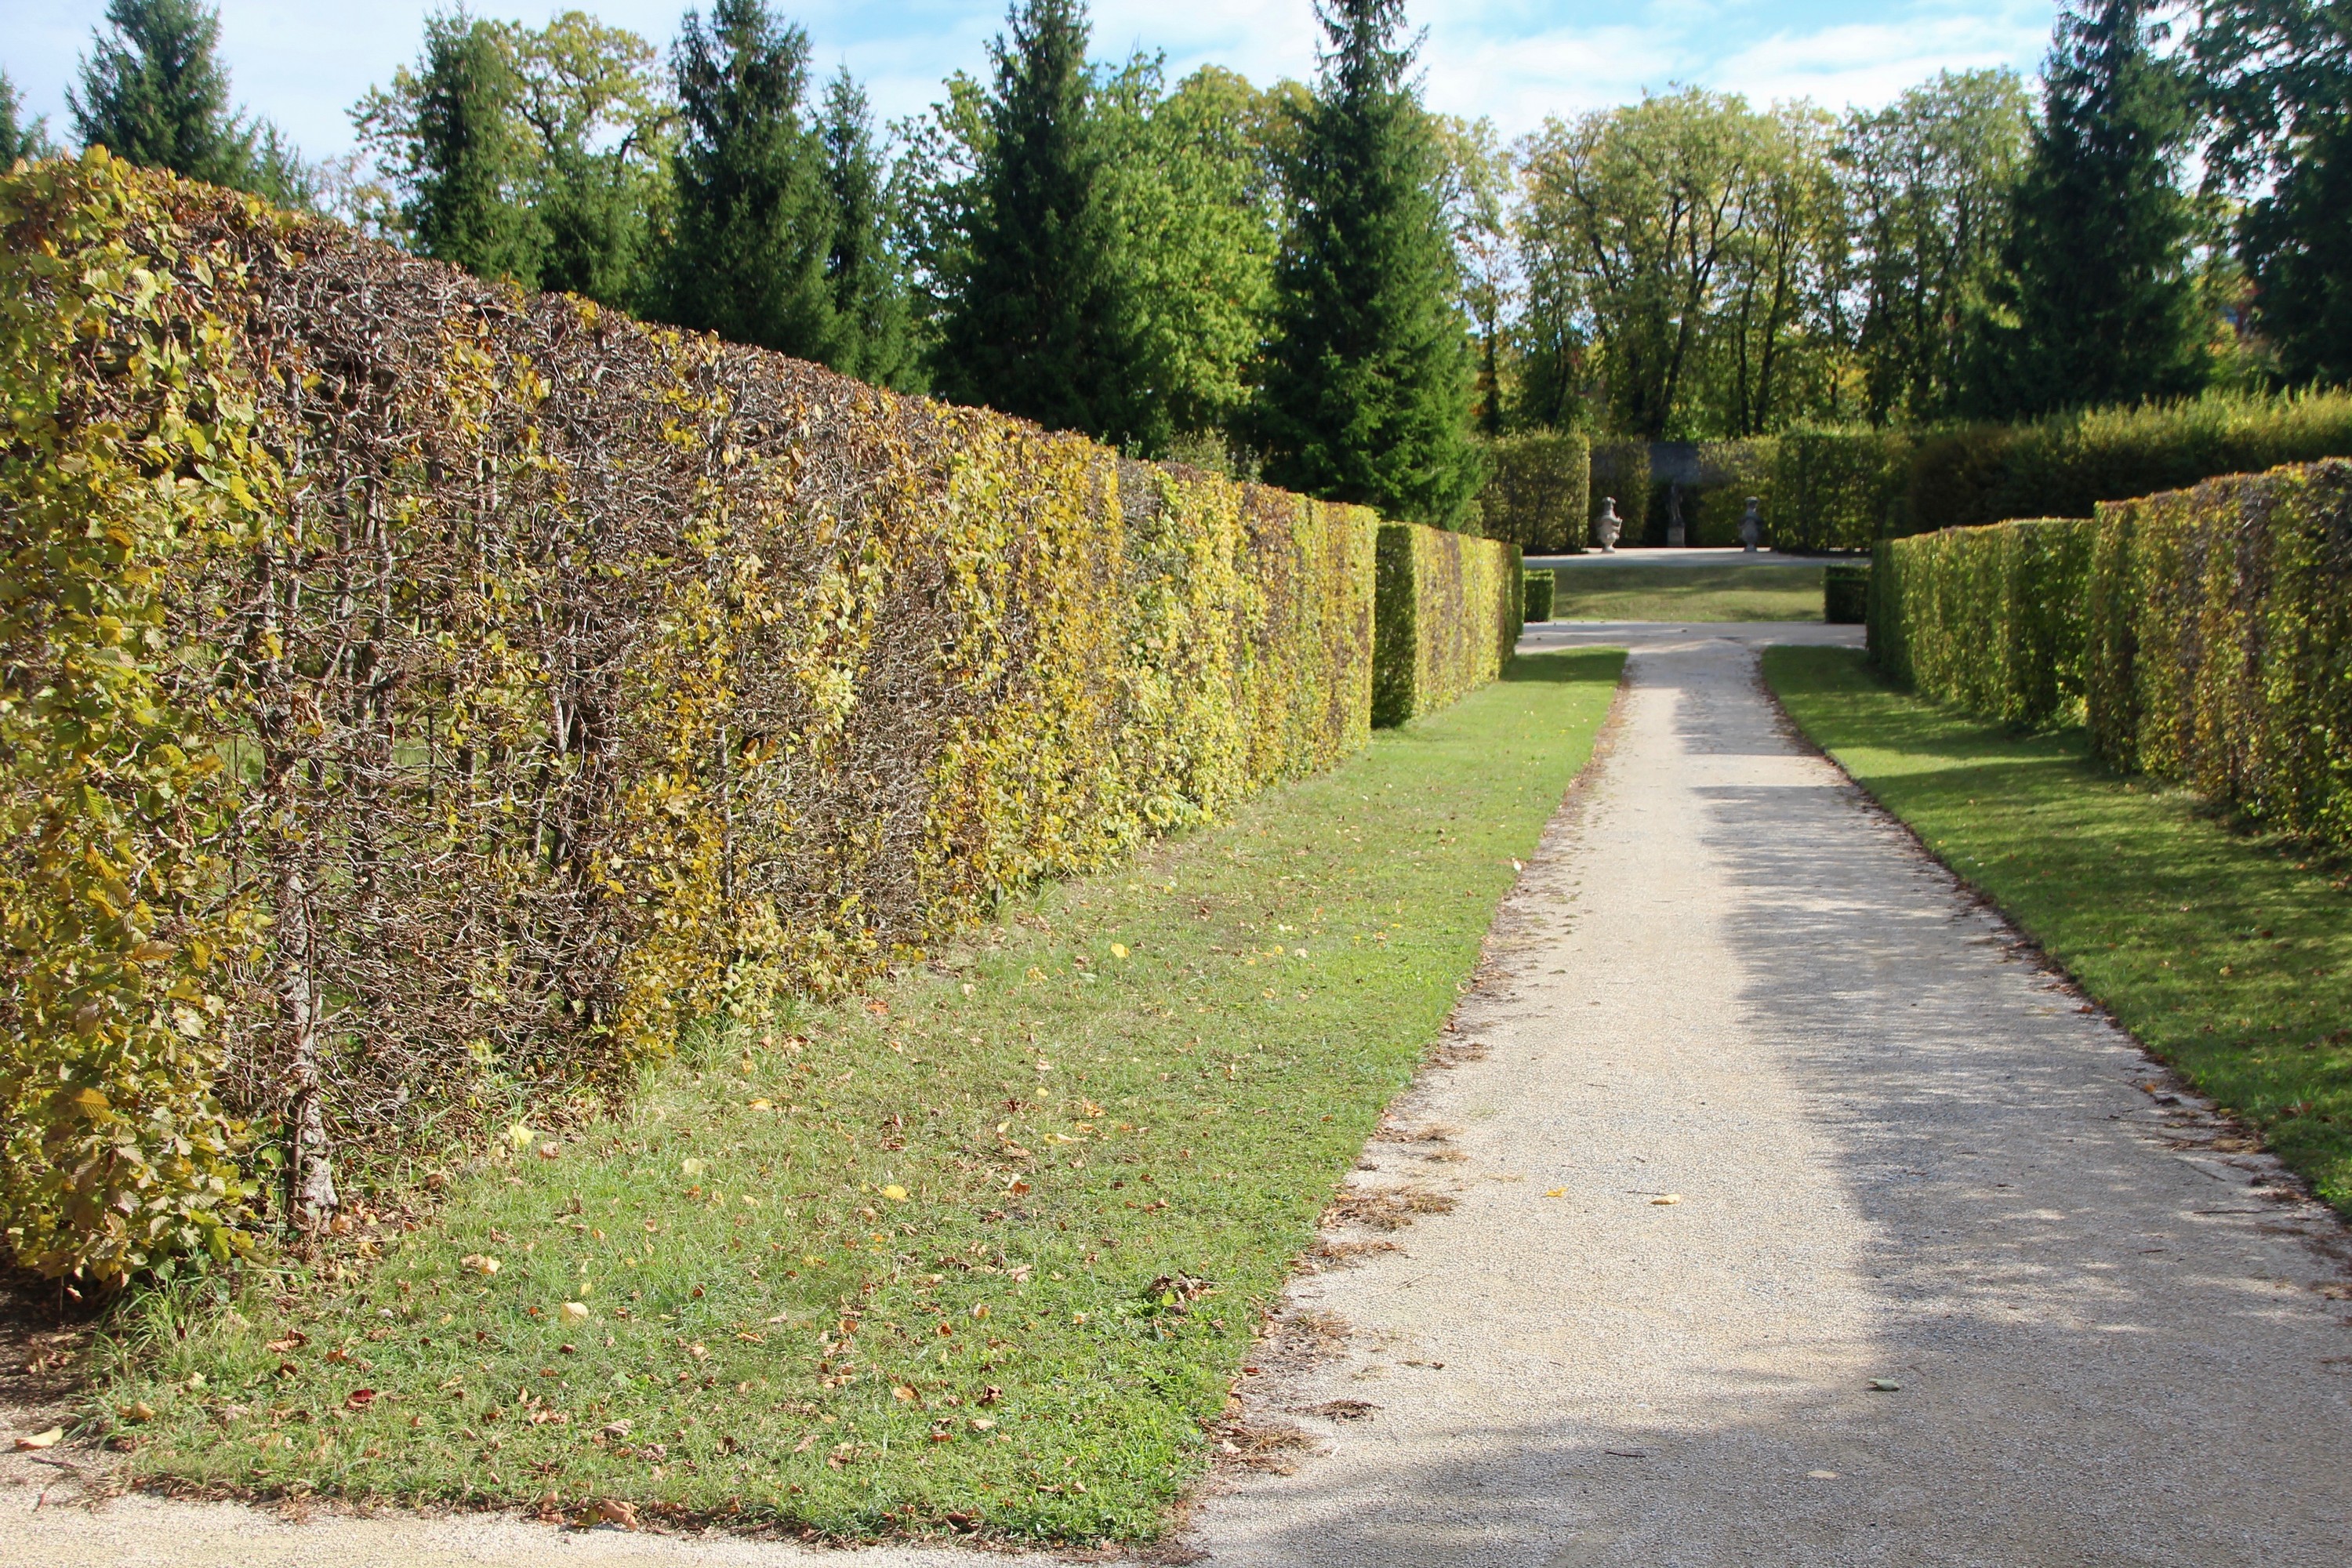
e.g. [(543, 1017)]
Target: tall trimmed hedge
[(2220, 631), (1539, 491), (417, 698), (2207, 633), (1989, 619), (2065, 465), (1731, 472), (1838, 490), (1448, 614)]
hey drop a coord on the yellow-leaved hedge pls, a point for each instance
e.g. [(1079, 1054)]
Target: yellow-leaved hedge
[(417, 696), (1450, 611)]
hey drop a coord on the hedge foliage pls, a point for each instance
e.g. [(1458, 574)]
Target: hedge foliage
[(2204, 635), (2065, 465), (1541, 587), (1539, 491), (1838, 490), (1733, 470), (1845, 596), (1449, 611), (2219, 643), (1989, 619), (416, 698), (1621, 468)]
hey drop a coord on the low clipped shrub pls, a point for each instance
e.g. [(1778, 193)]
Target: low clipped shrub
[(1448, 612), (2064, 464), (1989, 619), (1538, 493), (419, 699), (1541, 586), (1838, 490), (1845, 596), (2220, 637)]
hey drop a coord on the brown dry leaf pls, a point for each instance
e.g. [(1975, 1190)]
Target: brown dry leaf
[(47, 1439), (139, 1410), (613, 1511)]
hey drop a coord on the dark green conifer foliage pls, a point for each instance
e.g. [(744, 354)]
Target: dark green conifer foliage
[(1368, 382), (154, 93), (869, 283), (467, 208), (19, 137), (2102, 308), (2275, 80), (1035, 322), (754, 213)]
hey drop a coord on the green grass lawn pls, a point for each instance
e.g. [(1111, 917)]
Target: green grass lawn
[(984, 1249), (1660, 592), (2228, 955)]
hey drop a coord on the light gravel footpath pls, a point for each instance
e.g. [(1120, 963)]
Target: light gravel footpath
[(1903, 1154)]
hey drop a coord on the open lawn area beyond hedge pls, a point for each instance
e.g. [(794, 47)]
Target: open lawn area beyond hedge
[(1643, 591), (990, 1242), (2229, 956)]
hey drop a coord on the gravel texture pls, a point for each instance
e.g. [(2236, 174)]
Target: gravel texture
[(1904, 1152)]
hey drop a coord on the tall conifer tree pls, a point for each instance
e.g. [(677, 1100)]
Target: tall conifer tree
[(19, 136), (469, 206), (2100, 305), (154, 92), (869, 283), (755, 217), (1035, 321), (1368, 384)]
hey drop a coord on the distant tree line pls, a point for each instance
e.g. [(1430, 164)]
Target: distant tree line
[(1327, 282)]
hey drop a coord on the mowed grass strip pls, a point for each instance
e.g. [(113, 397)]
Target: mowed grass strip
[(1666, 593), (982, 1250), (2227, 953)]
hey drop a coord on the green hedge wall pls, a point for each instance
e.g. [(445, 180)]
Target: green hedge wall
[(1539, 491), (1447, 611), (1734, 471), (2065, 465), (1989, 619), (1838, 490), (2220, 632), (1845, 594)]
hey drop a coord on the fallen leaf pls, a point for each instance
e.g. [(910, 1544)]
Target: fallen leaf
[(895, 1193), (1557, 1192), (763, 1105), (1119, 950), (692, 1167), (139, 1410), (982, 1423), (1884, 1386), (481, 1263), (1668, 1198), (522, 1135), (903, 1393), (612, 1511), (576, 1311), (47, 1439), (359, 1399)]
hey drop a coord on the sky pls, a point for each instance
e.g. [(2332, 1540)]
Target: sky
[(1514, 61)]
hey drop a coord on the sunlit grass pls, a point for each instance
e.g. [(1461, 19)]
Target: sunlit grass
[(1669, 593), (984, 1249)]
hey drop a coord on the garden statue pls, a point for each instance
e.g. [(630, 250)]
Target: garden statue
[(1752, 525), (1608, 525)]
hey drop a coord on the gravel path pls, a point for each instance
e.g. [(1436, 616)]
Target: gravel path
[(1901, 1153)]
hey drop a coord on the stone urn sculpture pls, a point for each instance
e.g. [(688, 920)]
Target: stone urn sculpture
[(1608, 525), (1752, 525)]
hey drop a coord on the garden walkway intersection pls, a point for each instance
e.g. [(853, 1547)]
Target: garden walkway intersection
[(1903, 1154)]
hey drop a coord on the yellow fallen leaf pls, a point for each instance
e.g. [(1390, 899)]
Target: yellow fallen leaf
[(763, 1105), (903, 1393), (575, 1311), (895, 1193), (481, 1263), (691, 1167), (1119, 950), (139, 1410), (522, 1135), (1557, 1192), (810, 1259), (1669, 1198), (47, 1439)]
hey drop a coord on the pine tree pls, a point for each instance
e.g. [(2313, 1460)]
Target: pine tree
[(468, 159), (754, 215), (1034, 321), (154, 93), (1368, 384), (2100, 305), (869, 285), (19, 137)]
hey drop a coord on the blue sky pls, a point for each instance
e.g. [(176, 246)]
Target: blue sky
[(1513, 60)]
